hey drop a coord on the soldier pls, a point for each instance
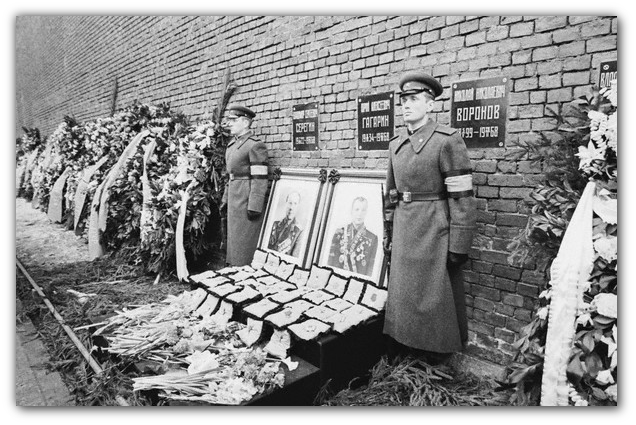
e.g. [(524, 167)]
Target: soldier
[(244, 197), (353, 247), (429, 222), (285, 234)]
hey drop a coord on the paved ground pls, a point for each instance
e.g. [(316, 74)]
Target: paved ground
[(34, 384), (38, 242)]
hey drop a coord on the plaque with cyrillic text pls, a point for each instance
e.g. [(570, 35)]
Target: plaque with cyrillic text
[(479, 111), (376, 121), (608, 71), (305, 127)]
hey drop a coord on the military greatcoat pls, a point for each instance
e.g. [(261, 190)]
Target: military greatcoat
[(246, 162), (432, 214)]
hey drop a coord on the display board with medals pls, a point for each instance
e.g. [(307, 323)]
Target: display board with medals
[(318, 277), (306, 314)]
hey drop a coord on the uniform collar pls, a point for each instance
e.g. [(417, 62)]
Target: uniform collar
[(288, 222), (421, 136), (239, 140)]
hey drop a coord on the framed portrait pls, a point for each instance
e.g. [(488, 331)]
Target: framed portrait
[(290, 226), (352, 226)]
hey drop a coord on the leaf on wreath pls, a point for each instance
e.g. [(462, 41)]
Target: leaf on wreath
[(575, 370)]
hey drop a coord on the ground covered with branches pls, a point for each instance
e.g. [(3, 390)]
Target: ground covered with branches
[(85, 292)]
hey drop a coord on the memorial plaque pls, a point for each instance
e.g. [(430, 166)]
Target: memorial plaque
[(376, 121), (305, 127), (479, 111), (608, 71)]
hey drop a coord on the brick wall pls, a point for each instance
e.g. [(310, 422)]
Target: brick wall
[(68, 65)]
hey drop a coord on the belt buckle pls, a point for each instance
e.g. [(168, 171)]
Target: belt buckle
[(231, 176), (406, 196), (393, 196)]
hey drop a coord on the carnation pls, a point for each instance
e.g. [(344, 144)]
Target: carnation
[(542, 313), (596, 118), (607, 247), (612, 132), (605, 377), (606, 304)]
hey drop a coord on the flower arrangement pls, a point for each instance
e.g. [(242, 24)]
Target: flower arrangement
[(196, 359), (195, 167), (126, 194), (28, 148), (592, 368), (186, 166)]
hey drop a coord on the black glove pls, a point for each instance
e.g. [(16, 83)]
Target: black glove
[(387, 241), (455, 260), (253, 215), (387, 245)]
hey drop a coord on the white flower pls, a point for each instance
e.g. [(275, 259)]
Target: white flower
[(201, 361), (589, 155), (612, 392), (542, 313), (596, 118), (547, 294), (612, 132), (604, 377), (581, 402), (606, 304), (584, 319), (611, 93), (607, 247)]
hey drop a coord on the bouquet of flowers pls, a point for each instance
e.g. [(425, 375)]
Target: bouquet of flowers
[(592, 362)]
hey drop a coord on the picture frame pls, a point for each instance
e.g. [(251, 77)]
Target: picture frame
[(352, 226), (292, 215)]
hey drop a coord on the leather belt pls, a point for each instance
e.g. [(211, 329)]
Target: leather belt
[(421, 196), (237, 177)]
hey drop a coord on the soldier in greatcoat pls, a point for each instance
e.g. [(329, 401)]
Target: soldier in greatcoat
[(429, 222), (246, 161)]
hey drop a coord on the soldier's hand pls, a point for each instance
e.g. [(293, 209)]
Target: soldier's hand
[(387, 241), (455, 259), (253, 215), (387, 244)]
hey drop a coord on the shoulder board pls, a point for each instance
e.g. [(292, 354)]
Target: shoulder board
[(445, 130)]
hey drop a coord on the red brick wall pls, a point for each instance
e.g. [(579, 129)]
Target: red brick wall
[(68, 65)]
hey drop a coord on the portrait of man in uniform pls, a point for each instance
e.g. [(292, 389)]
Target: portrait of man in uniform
[(286, 232), (353, 229), (287, 228), (353, 246)]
